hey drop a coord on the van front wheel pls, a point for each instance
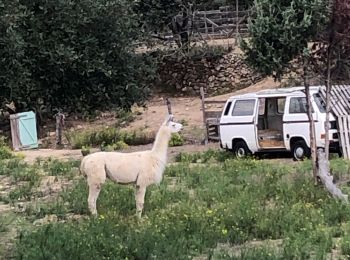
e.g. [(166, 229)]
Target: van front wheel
[(300, 151), (240, 149)]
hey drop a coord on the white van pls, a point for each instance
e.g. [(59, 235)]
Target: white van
[(275, 120)]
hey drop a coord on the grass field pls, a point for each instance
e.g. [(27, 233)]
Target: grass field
[(209, 206)]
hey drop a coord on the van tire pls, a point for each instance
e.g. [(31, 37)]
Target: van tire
[(300, 151), (241, 150)]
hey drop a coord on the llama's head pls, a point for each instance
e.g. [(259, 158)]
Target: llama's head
[(172, 126)]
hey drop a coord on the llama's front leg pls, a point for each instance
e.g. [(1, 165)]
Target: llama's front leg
[(140, 199), (94, 191)]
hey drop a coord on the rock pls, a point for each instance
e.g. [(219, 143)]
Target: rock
[(79, 127)]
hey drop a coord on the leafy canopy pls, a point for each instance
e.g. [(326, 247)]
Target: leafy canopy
[(75, 55), (280, 31)]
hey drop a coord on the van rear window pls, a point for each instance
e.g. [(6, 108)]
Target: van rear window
[(243, 107)]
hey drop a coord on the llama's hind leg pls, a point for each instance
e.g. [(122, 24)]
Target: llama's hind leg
[(140, 199), (94, 191)]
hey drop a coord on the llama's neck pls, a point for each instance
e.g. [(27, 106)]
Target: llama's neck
[(160, 146)]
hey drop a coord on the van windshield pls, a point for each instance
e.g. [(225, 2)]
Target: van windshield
[(320, 103)]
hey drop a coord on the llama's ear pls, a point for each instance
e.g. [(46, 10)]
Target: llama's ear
[(168, 119)]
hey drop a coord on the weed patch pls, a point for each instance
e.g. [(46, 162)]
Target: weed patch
[(194, 209)]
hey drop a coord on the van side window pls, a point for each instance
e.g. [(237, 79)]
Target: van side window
[(227, 108), (243, 107), (297, 105)]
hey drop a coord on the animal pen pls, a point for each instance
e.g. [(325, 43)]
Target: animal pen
[(340, 107), (226, 22)]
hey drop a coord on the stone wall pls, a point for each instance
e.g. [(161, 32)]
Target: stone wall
[(217, 75)]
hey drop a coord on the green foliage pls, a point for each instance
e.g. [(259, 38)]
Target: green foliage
[(5, 153), (25, 177), (280, 32), (176, 140), (125, 117), (85, 150), (55, 167), (77, 55), (120, 145), (194, 209), (209, 155), (109, 136)]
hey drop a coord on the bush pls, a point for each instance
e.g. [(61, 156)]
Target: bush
[(5, 153), (79, 56), (176, 140), (109, 136)]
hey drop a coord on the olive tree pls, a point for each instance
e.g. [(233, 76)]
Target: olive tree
[(75, 55), (280, 32)]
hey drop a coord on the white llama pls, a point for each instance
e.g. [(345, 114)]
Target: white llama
[(140, 168)]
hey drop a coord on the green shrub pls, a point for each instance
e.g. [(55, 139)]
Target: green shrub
[(55, 167), (70, 62), (5, 153), (176, 140), (124, 117), (85, 150), (109, 136)]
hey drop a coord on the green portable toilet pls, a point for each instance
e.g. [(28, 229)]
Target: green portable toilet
[(23, 131)]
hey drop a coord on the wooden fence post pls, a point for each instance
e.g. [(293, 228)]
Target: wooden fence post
[(237, 24), (59, 127), (204, 117)]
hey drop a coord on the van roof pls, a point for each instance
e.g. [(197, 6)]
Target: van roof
[(277, 92)]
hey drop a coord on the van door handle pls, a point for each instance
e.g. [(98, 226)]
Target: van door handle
[(287, 136)]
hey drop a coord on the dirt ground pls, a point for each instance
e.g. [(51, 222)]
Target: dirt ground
[(188, 109)]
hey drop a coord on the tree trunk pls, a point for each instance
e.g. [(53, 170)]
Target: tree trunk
[(327, 179), (328, 92), (311, 122)]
